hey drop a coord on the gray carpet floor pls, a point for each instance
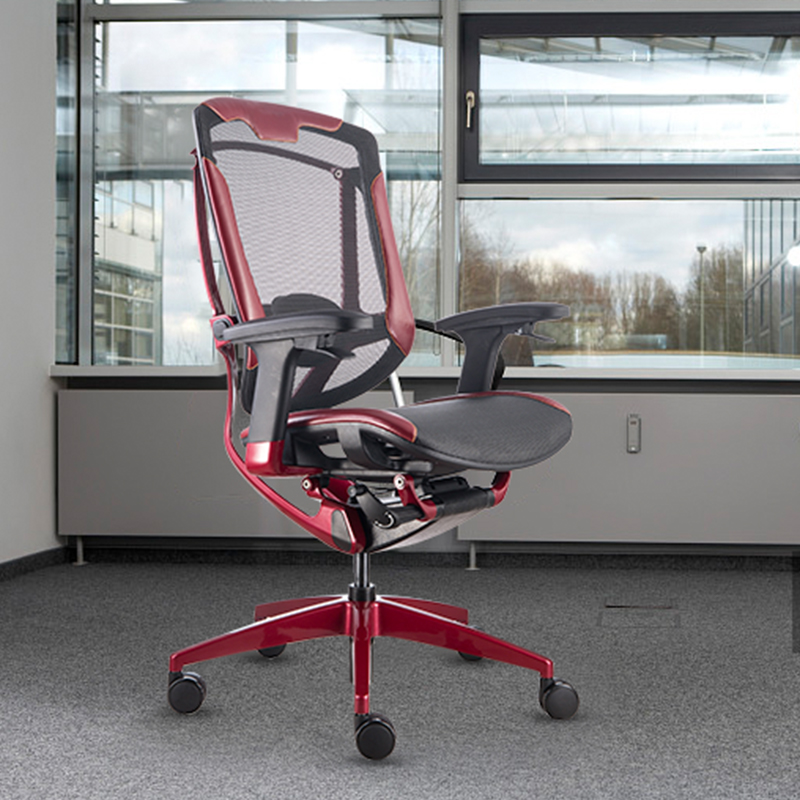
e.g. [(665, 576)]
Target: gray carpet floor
[(694, 694)]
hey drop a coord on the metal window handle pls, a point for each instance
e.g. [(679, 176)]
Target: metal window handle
[(470, 98)]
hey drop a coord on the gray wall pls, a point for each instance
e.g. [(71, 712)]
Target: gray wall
[(27, 233)]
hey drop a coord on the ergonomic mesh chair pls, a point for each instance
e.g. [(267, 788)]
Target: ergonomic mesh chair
[(321, 316)]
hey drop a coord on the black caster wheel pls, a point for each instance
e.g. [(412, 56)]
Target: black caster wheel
[(470, 657), (558, 698), (272, 652), (375, 736), (186, 692)]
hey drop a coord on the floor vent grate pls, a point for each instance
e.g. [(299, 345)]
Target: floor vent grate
[(639, 613)]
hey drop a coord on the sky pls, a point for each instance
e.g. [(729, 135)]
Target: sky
[(603, 236)]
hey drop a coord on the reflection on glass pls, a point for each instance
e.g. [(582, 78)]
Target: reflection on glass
[(646, 100), (66, 263), (651, 283), (380, 74)]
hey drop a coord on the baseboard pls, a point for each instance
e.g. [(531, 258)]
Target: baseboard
[(46, 558), (292, 553), (488, 556)]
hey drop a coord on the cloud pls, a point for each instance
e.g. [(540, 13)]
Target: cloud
[(612, 236)]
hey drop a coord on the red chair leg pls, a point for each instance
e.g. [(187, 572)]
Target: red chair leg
[(264, 610), (362, 631), (403, 621), (329, 617), (442, 609)]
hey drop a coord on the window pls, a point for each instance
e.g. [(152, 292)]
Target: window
[(644, 279), (382, 74), (640, 167), (608, 161), (587, 97)]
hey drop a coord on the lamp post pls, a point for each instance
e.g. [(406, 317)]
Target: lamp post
[(701, 249)]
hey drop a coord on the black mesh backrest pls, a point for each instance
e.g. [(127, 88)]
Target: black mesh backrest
[(304, 216)]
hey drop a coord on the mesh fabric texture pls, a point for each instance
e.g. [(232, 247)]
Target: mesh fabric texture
[(305, 228), (499, 431)]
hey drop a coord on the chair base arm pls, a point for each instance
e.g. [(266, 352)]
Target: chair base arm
[(425, 621)]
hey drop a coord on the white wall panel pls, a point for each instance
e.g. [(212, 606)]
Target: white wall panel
[(712, 469)]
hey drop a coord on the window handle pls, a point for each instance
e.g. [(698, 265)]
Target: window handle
[(470, 99)]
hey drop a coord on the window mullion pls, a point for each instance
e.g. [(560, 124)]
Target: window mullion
[(85, 166), (448, 273)]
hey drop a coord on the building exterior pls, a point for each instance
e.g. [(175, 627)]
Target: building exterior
[(127, 272), (771, 298)]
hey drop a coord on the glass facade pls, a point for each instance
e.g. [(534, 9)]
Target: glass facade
[(772, 259)]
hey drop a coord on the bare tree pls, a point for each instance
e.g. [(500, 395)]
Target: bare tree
[(415, 211), (714, 296)]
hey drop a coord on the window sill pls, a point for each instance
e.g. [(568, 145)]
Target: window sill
[(105, 371), (437, 373)]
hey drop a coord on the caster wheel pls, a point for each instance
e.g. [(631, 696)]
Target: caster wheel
[(186, 692), (558, 698), (470, 657), (375, 736), (272, 652)]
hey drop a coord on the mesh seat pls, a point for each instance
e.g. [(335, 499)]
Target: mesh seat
[(498, 431)]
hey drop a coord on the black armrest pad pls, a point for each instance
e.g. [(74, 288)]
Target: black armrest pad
[(511, 315), (321, 322)]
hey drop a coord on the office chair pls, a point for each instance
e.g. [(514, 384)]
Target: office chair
[(321, 315)]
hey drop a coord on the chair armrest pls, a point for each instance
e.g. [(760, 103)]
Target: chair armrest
[(483, 331), (321, 322), (281, 344)]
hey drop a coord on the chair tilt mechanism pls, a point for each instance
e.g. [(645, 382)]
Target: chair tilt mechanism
[(319, 315)]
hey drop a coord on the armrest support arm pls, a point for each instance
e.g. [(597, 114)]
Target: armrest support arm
[(281, 344), (483, 331), (430, 327)]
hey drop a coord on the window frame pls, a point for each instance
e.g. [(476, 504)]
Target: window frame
[(475, 27)]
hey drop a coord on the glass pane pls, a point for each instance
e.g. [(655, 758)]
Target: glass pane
[(380, 74), (66, 188), (144, 222), (650, 283), (122, 217), (646, 100)]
